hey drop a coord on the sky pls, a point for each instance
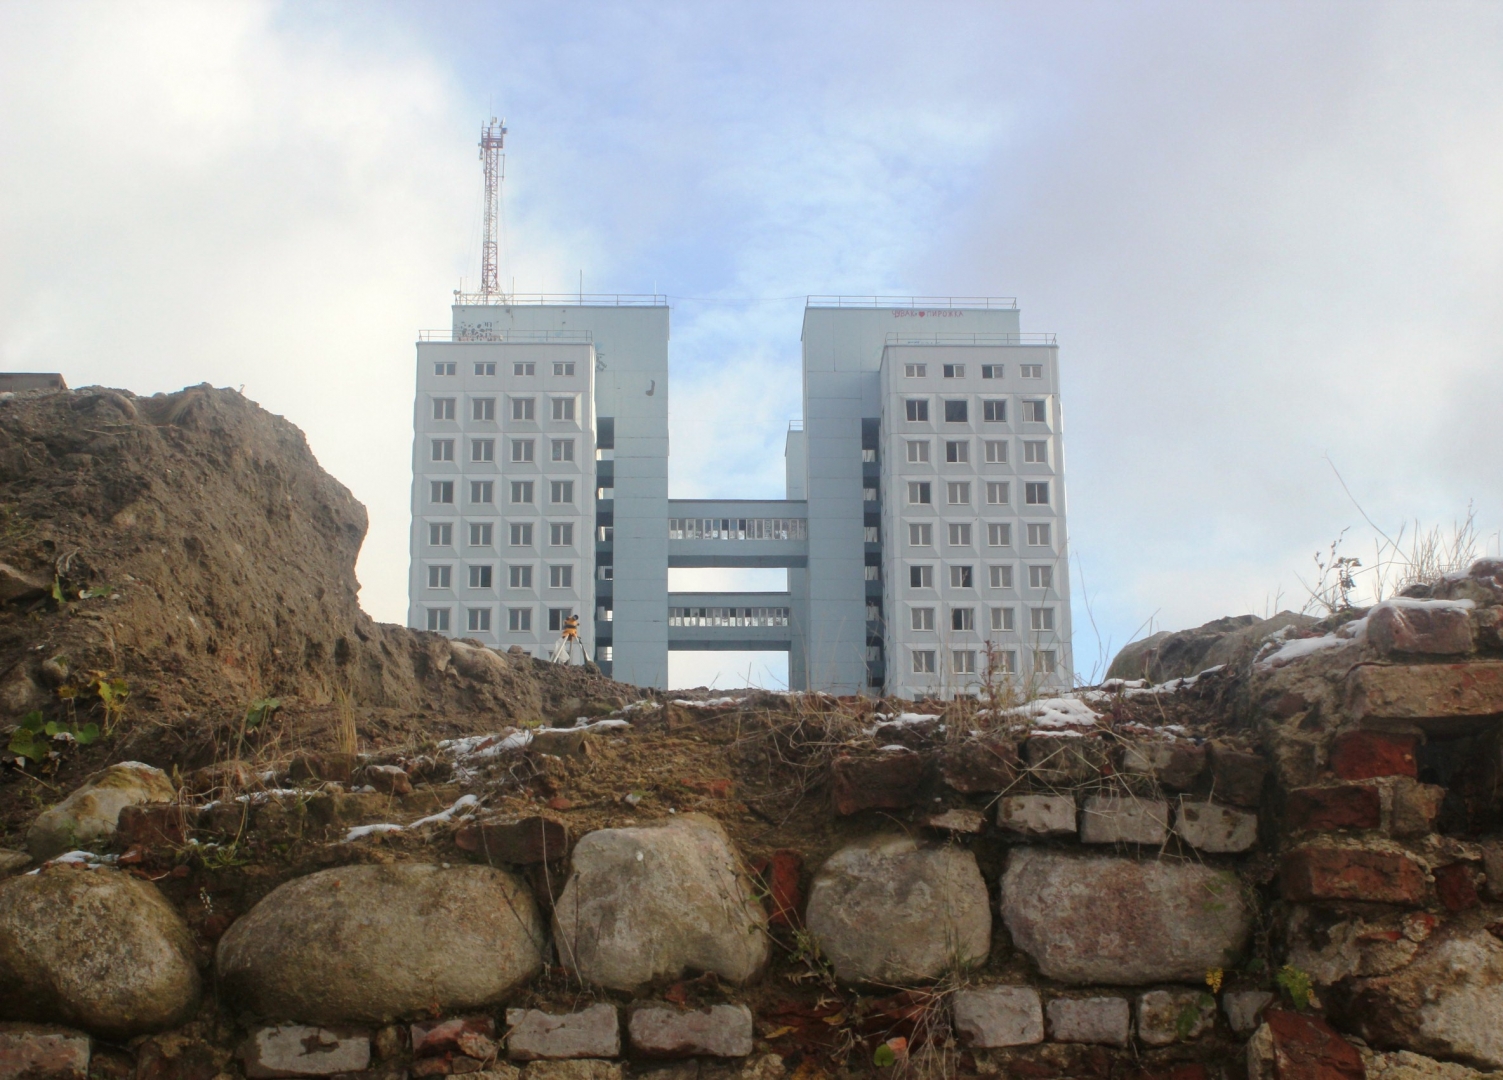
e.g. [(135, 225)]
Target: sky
[(1268, 236)]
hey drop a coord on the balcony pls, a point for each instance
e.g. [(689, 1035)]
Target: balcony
[(737, 532)]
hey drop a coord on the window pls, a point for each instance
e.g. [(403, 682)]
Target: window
[(868, 494), (961, 578), (869, 455), (955, 412), (522, 408), (954, 371), (921, 577), (480, 577), (521, 449), (994, 412), (439, 577), (480, 535), (443, 368), (442, 491), (519, 618), (1002, 618), (918, 452), (1044, 661), (1001, 577), (991, 371), (923, 661), (528, 368), (1036, 451), (606, 573), (964, 661), (482, 449), (1033, 412), (483, 408), (519, 577), (958, 452), (1041, 618), (1038, 535), (560, 577), (482, 491), (561, 491), (438, 618), (521, 535), (1032, 371), (521, 491), (915, 371), (1004, 662), (485, 368), (556, 617), (1041, 577), (960, 535), (958, 492), (443, 408), (922, 618), (921, 535), (479, 618), (563, 449), (563, 367), (561, 534), (962, 618), (996, 452), (918, 492), (997, 493), (1036, 493), (918, 410), (999, 535), (440, 535), (443, 449), (563, 408)]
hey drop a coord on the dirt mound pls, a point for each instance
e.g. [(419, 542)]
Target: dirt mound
[(187, 551)]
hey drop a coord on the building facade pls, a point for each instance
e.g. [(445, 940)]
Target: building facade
[(923, 528)]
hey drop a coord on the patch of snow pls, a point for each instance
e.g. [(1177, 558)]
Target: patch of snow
[(1424, 605), (644, 705), (464, 802), (1277, 652), (893, 746), (584, 723), (712, 703), (1113, 685), (86, 859), (1056, 714)]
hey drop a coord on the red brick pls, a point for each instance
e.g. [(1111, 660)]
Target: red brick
[(1307, 1048), (784, 894), (1437, 631), (1349, 806), (1425, 691), (151, 825), (530, 840), (1330, 873), (43, 1052), (1236, 775), (979, 765), (458, 1035), (1363, 755), (889, 780), (1456, 887)]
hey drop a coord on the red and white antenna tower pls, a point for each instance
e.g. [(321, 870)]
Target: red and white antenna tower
[(492, 140)]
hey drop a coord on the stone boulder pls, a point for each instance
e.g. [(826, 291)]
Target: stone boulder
[(369, 944), (895, 910), (95, 949), (654, 902), (1120, 921), (1446, 1002), (89, 815), (1179, 654)]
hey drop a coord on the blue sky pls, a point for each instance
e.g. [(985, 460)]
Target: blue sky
[(1269, 236)]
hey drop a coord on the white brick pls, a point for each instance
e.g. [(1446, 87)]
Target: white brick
[(590, 1033), (719, 1031), (1243, 1007), (302, 1050), (1164, 1014), (1116, 819), (1090, 1020), (1208, 826), (995, 1016), (1038, 815)]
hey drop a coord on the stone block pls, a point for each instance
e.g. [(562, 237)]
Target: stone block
[(1297, 1046), (887, 780), (91, 813), (1244, 1008), (387, 779), (1175, 765), (665, 1031), (1169, 1016), (1117, 819), (995, 1016), (978, 765), (578, 1069), (1414, 808), (522, 842), (1105, 1020), (170, 1056), (532, 1034), (957, 820), (43, 1052), (1456, 888), (12, 862), (1218, 829), (330, 766), (473, 1036), (1434, 695), (1492, 866), (1065, 759), (1342, 806), (300, 1050), (1417, 626), (1334, 873), (1236, 775), (151, 825), (1038, 815), (1366, 755)]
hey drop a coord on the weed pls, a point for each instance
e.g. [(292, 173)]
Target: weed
[(806, 951), (112, 695), (1295, 984), (346, 734), (34, 738)]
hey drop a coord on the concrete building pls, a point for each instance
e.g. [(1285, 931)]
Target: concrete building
[(923, 529)]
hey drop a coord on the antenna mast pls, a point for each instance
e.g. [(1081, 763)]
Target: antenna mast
[(492, 140)]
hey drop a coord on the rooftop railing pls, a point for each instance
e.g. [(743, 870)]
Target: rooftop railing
[(898, 337), (465, 299), (514, 337), (1003, 303)]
